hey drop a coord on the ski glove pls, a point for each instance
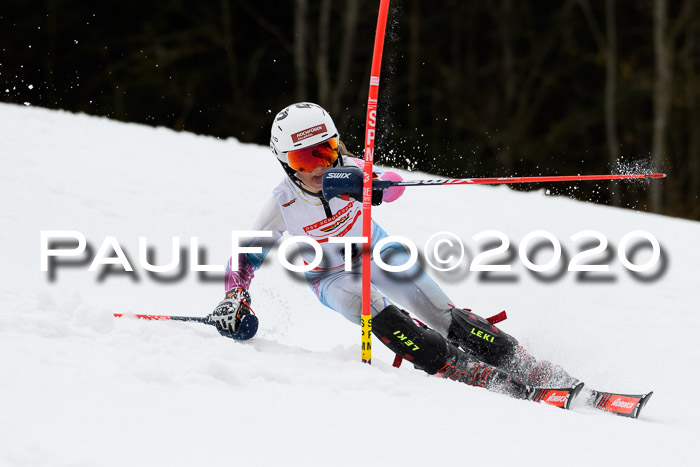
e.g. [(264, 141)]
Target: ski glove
[(393, 193), (233, 316), (390, 194), (346, 183)]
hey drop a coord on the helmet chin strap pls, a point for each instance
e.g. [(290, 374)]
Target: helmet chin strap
[(300, 183), (292, 174)]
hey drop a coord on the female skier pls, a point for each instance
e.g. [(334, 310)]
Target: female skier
[(454, 343)]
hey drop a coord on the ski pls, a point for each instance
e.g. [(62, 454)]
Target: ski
[(625, 405), (561, 398)]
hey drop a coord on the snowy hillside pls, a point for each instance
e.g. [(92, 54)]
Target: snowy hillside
[(78, 387)]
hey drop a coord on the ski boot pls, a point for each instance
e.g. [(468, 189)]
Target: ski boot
[(475, 335), (431, 352)]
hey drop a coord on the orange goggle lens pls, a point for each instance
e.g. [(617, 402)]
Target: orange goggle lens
[(307, 159)]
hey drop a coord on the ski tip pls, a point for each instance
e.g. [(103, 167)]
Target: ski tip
[(642, 402), (561, 398), (572, 395), (624, 405)]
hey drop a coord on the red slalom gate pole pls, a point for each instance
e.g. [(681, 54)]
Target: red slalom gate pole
[(370, 127)]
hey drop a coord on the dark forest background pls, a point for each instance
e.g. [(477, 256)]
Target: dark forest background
[(469, 88)]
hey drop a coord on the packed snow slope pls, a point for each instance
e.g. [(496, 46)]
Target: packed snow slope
[(79, 387)]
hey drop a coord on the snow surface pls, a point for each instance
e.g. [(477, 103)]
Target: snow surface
[(80, 388)]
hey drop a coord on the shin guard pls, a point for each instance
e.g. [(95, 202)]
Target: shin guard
[(477, 336), (416, 343)]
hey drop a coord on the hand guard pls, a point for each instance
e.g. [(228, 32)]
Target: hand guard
[(347, 182), (233, 316)]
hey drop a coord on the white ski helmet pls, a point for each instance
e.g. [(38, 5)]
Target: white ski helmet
[(300, 126)]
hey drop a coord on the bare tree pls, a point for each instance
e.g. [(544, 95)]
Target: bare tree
[(509, 82), (331, 90), (607, 45), (230, 52), (688, 61), (350, 18), (662, 93), (322, 63), (527, 83), (300, 9), (665, 36), (413, 52), (611, 92)]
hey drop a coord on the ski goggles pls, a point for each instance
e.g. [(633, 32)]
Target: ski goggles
[(307, 159)]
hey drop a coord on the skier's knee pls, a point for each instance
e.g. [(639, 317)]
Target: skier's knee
[(476, 335), (418, 344), (350, 304)]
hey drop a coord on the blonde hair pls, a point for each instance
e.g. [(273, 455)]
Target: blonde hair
[(344, 151)]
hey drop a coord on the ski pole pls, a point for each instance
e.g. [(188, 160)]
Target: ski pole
[(205, 320), (246, 329), (502, 180), (348, 181)]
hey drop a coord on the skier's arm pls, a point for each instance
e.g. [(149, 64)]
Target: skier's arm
[(270, 218)]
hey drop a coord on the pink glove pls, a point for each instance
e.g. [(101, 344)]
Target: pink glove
[(390, 194), (395, 192)]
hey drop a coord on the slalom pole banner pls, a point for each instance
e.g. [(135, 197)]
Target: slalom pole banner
[(370, 129)]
